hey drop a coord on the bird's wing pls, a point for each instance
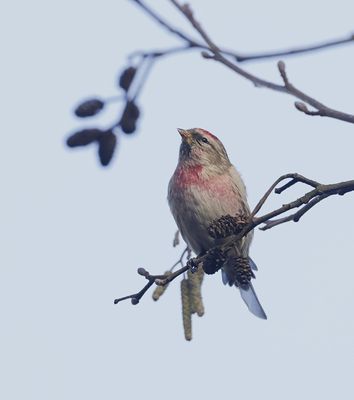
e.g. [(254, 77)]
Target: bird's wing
[(253, 265), (239, 184)]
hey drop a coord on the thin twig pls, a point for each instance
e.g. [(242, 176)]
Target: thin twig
[(295, 51), (160, 280), (320, 192), (239, 57), (293, 217), (288, 88), (322, 110), (295, 178), (163, 23), (143, 78), (180, 260), (304, 204), (160, 53)]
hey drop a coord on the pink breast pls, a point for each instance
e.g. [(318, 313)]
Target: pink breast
[(193, 176)]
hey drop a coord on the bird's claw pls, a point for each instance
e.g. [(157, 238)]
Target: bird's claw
[(192, 265)]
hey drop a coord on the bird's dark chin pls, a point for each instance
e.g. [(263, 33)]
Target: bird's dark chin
[(185, 149)]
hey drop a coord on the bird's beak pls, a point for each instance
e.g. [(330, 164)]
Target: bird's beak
[(186, 135)]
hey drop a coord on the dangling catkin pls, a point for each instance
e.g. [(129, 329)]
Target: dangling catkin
[(186, 309)]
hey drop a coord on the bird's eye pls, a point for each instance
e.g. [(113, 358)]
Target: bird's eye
[(205, 140)]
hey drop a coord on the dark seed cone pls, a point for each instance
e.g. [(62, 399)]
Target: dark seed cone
[(128, 126), (242, 271), (228, 225), (84, 137), (126, 78), (195, 281), (160, 290), (130, 115), (186, 309), (215, 259), (89, 108), (106, 146)]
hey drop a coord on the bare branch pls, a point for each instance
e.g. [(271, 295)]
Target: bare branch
[(160, 280), (239, 57), (293, 217), (295, 178), (134, 76), (322, 110), (165, 24), (304, 204), (288, 88), (296, 50)]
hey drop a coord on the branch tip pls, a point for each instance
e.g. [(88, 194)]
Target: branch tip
[(239, 226), (207, 55), (142, 272), (187, 10), (282, 71)]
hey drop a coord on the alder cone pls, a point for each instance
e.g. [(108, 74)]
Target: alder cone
[(106, 147), (126, 78), (83, 137), (89, 108), (130, 115)]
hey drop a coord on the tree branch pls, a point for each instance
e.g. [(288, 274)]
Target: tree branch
[(304, 204), (239, 57), (288, 88), (295, 51), (133, 78)]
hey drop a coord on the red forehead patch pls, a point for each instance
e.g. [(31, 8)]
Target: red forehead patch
[(208, 134)]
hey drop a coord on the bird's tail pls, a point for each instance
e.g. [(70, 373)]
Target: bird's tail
[(240, 276), (250, 298)]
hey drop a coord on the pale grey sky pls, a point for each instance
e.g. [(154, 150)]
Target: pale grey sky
[(73, 233)]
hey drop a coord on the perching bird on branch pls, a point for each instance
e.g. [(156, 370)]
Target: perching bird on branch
[(204, 187)]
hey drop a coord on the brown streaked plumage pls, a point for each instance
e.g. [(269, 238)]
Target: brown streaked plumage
[(204, 187)]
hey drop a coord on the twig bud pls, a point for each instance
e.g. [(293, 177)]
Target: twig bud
[(142, 271), (301, 106), (161, 282), (160, 290), (187, 11), (207, 55), (281, 68)]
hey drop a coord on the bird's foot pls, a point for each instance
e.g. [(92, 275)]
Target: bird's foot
[(192, 265)]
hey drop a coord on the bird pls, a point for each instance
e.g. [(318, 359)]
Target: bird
[(204, 187)]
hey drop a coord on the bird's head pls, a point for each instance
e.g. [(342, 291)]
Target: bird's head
[(200, 147)]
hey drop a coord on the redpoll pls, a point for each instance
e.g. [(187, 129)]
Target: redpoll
[(204, 187)]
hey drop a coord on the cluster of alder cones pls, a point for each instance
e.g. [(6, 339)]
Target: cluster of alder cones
[(106, 139)]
